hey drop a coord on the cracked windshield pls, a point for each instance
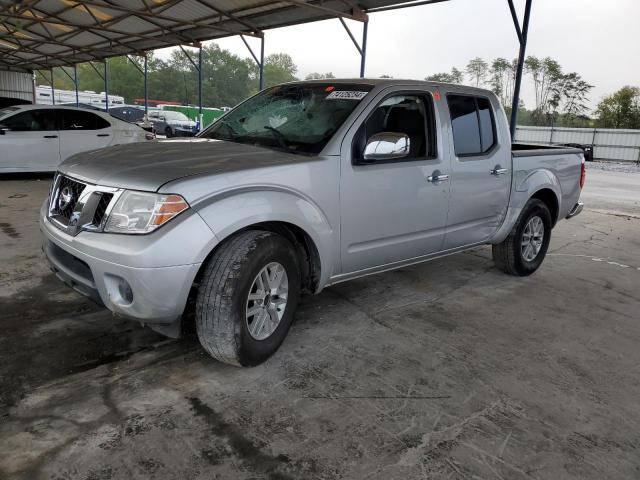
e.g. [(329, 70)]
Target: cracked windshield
[(297, 118)]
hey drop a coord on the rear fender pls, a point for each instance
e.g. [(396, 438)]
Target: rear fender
[(231, 211), (526, 185)]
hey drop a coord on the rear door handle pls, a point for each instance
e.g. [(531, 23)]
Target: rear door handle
[(498, 171), (103, 135), (437, 178), (50, 136)]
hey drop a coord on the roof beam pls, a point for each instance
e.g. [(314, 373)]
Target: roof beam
[(357, 14)]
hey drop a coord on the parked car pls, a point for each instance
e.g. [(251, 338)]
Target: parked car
[(86, 106), (36, 138), (132, 114), (302, 186), (172, 124)]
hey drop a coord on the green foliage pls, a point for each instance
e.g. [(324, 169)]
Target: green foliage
[(319, 76), (557, 93), (502, 79), (620, 110), (477, 70), (227, 79), (456, 76), (278, 68)]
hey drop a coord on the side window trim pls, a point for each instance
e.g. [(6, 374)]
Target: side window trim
[(429, 125), (481, 154)]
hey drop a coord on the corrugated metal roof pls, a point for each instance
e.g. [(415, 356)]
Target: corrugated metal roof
[(40, 34)]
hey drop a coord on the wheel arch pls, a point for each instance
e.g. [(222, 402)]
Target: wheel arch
[(550, 199)]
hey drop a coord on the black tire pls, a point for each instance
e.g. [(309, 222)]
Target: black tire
[(508, 255), (168, 132), (221, 304)]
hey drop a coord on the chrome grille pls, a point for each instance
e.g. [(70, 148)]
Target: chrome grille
[(101, 208), (62, 212), (75, 206)]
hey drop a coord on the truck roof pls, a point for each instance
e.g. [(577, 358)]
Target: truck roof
[(389, 82)]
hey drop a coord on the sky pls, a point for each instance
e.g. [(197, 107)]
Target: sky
[(599, 39)]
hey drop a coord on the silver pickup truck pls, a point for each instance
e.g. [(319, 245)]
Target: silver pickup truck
[(302, 186)]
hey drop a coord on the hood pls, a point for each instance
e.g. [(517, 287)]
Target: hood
[(149, 165)]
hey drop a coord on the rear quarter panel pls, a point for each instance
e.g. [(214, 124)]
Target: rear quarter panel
[(537, 170)]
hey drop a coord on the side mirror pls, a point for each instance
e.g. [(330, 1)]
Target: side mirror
[(387, 146), (3, 129)]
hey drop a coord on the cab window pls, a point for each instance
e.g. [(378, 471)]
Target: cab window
[(472, 124), (408, 114)]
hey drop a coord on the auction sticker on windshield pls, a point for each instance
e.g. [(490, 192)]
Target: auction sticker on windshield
[(345, 95)]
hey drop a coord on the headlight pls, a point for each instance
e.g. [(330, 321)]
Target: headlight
[(142, 212)]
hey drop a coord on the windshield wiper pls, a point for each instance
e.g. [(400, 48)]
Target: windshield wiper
[(279, 136)]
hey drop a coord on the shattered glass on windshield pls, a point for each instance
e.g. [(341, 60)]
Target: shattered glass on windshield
[(300, 118)]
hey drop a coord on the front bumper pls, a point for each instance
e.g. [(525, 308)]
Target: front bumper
[(94, 265), (184, 132)]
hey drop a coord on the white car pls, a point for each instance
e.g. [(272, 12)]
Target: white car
[(37, 138)]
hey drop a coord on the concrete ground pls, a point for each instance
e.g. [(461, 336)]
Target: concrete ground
[(449, 369)]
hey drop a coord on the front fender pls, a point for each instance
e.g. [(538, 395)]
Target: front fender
[(230, 211), (526, 185)]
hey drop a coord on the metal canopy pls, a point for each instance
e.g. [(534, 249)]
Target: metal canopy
[(41, 34)]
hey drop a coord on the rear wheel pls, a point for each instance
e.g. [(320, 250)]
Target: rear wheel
[(247, 297), (168, 132), (523, 251)]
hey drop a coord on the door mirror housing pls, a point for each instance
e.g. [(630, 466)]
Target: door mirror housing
[(386, 146)]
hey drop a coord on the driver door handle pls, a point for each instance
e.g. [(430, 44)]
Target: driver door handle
[(437, 178), (498, 171), (50, 136)]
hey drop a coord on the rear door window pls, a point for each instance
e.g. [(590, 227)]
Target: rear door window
[(82, 120), (472, 124), (487, 130), (32, 121)]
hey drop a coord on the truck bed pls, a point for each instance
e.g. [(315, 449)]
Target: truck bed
[(534, 149)]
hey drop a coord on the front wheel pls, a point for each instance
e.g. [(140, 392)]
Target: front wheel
[(247, 297), (523, 251)]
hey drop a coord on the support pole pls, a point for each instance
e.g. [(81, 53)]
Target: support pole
[(521, 58), (146, 92), (261, 65), (75, 82), (53, 91), (106, 86), (200, 82), (363, 48), (259, 62)]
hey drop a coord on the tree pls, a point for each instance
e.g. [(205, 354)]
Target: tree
[(278, 68), (547, 76), (319, 76), (502, 79), (620, 110), (556, 92), (477, 69), (456, 76), (573, 92)]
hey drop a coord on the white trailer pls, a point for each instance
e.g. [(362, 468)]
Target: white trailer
[(44, 96)]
